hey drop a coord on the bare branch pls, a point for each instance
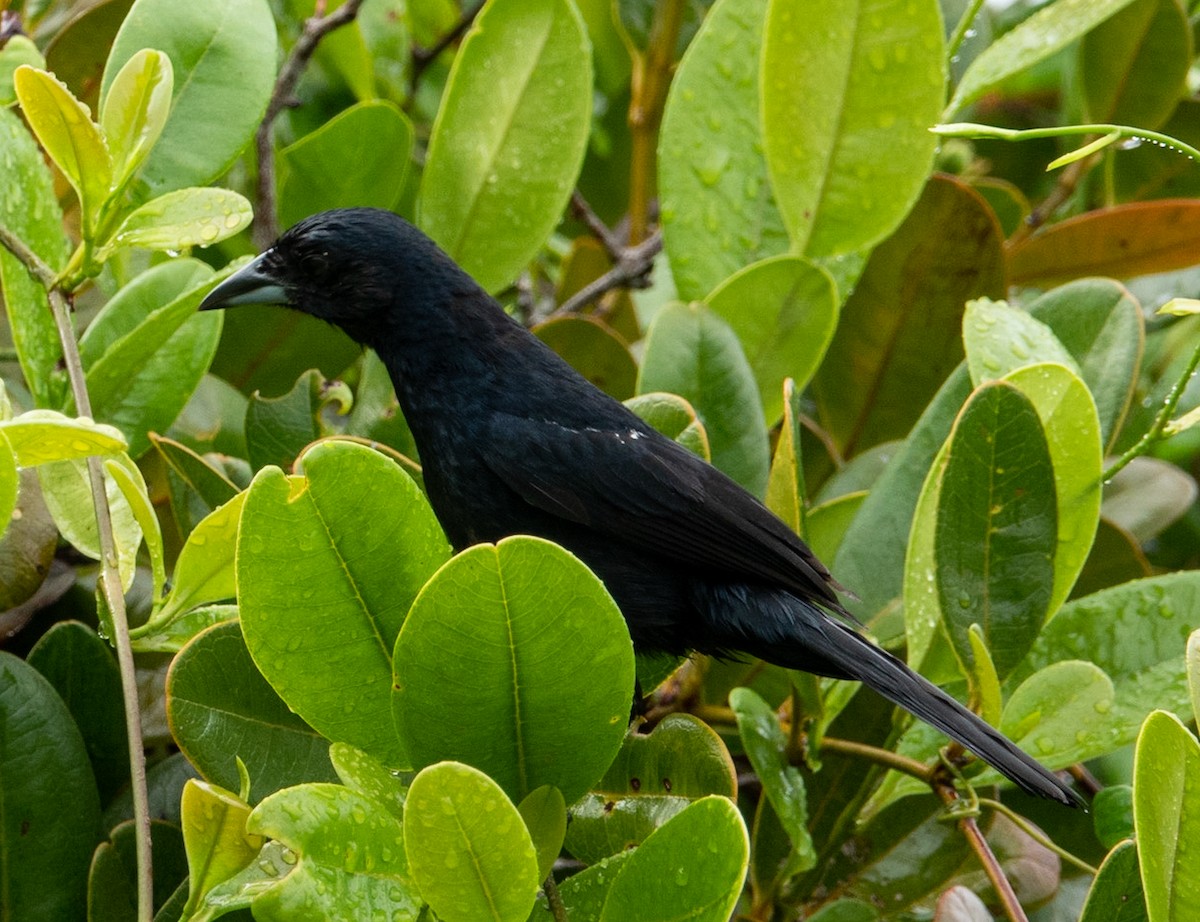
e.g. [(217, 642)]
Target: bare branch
[(423, 57), (316, 27), (612, 243), (632, 270)]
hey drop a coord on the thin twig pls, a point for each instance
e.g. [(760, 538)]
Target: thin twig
[(632, 270), (987, 858), (1037, 835), (554, 898), (963, 29), (1068, 182), (423, 57), (316, 27), (613, 245), (110, 578)]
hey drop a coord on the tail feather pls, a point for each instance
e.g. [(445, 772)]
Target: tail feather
[(875, 667)]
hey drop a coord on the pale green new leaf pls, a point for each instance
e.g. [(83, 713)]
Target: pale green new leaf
[(136, 109), (184, 218)]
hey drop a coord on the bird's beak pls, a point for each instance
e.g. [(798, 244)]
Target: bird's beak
[(251, 284)]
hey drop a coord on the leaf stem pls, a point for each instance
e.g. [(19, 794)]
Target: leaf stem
[(963, 27), (1036, 834), (651, 78), (110, 578), (1120, 132), (987, 858), (1155, 432), (554, 898)]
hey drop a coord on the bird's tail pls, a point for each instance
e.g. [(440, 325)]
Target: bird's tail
[(857, 657)]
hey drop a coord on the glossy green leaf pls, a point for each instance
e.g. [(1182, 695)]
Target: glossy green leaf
[(135, 110), (128, 478), (495, 180), (827, 523), (540, 684), (584, 894), (336, 567), (1116, 893), (9, 483), (219, 707), (670, 877), (274, 862), (692, 352), (594, 350), (29, 208), (278, 428), (784, 311), (43, 766), (545, 816), (1100, 323), (997, 526), (922, 598), (786, 492), (67, 489), (1047, 31), (849, 92), (1166, 768), (871, 558), (1072, 428), (900, 332), (67, 133), (653, 778), (349, 852), (82, 669), (215, 107), (375, 136), (1000, 339), (214, 833), (113, 876), (43, 436), (718, 214), (1136, 633), (783, 785), (184, 218), (1059, 714), (1147, 496), (1112, 814), (1193, 669), (171, 636), (365, 774), (469, 851), (675, 418), (845, 910), (210, 485)]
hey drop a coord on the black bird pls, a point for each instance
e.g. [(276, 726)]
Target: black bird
[(514, 441)]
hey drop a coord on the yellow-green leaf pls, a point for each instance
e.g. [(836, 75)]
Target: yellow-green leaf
[(185, 218), (136, 109)]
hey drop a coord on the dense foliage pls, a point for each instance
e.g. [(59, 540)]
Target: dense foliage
[(944, 366)]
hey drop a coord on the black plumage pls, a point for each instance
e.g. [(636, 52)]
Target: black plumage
[(514, 441)]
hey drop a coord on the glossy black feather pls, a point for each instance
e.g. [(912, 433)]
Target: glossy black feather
[(514, 441)]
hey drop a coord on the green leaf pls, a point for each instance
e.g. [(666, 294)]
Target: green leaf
[(335, 567), (669, 877), (125, 474), (17, 50), (783, 785), (692, 352), (214, 833), (1047, 31), (718, 214), (43, 767), (172, 635), (1193, 669), (27, 546), (219, 707), (583, 894), (1100, 323), (675, 418), (849, 91), (784, 311), (351, 857), (9, 483), (29, 208), (135, 111), (365, 774), (653, 778), (1116, 893), (1058, 714), (113, 877), (1147, 496), (900, 331), (209, 484), (1135, 633), (593, 350), (215, 107), (996, 526), (1000, 339), (72, 140), (275, 861), (470, 853), (181, 219), (495, 180), (42, 436), (847, 911), (1166, 768), (540, 684), (278, 429), (786, 492), (67, 489), (81, 667), (1112, 814), (545, 816), (375, 136)]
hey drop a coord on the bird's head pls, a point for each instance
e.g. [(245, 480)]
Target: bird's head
[(357, 268)]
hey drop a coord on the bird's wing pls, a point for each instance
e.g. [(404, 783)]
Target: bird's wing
[(644, 489)]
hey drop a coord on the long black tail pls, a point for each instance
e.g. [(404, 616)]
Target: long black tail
[(859, 658)]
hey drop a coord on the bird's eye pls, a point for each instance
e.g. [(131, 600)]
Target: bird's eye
[(317, 264)]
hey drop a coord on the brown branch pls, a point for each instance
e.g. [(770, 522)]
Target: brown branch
[(632, 270), (987, 858), (423, 57), (612, 243), (316, 27), (1068, 181)]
